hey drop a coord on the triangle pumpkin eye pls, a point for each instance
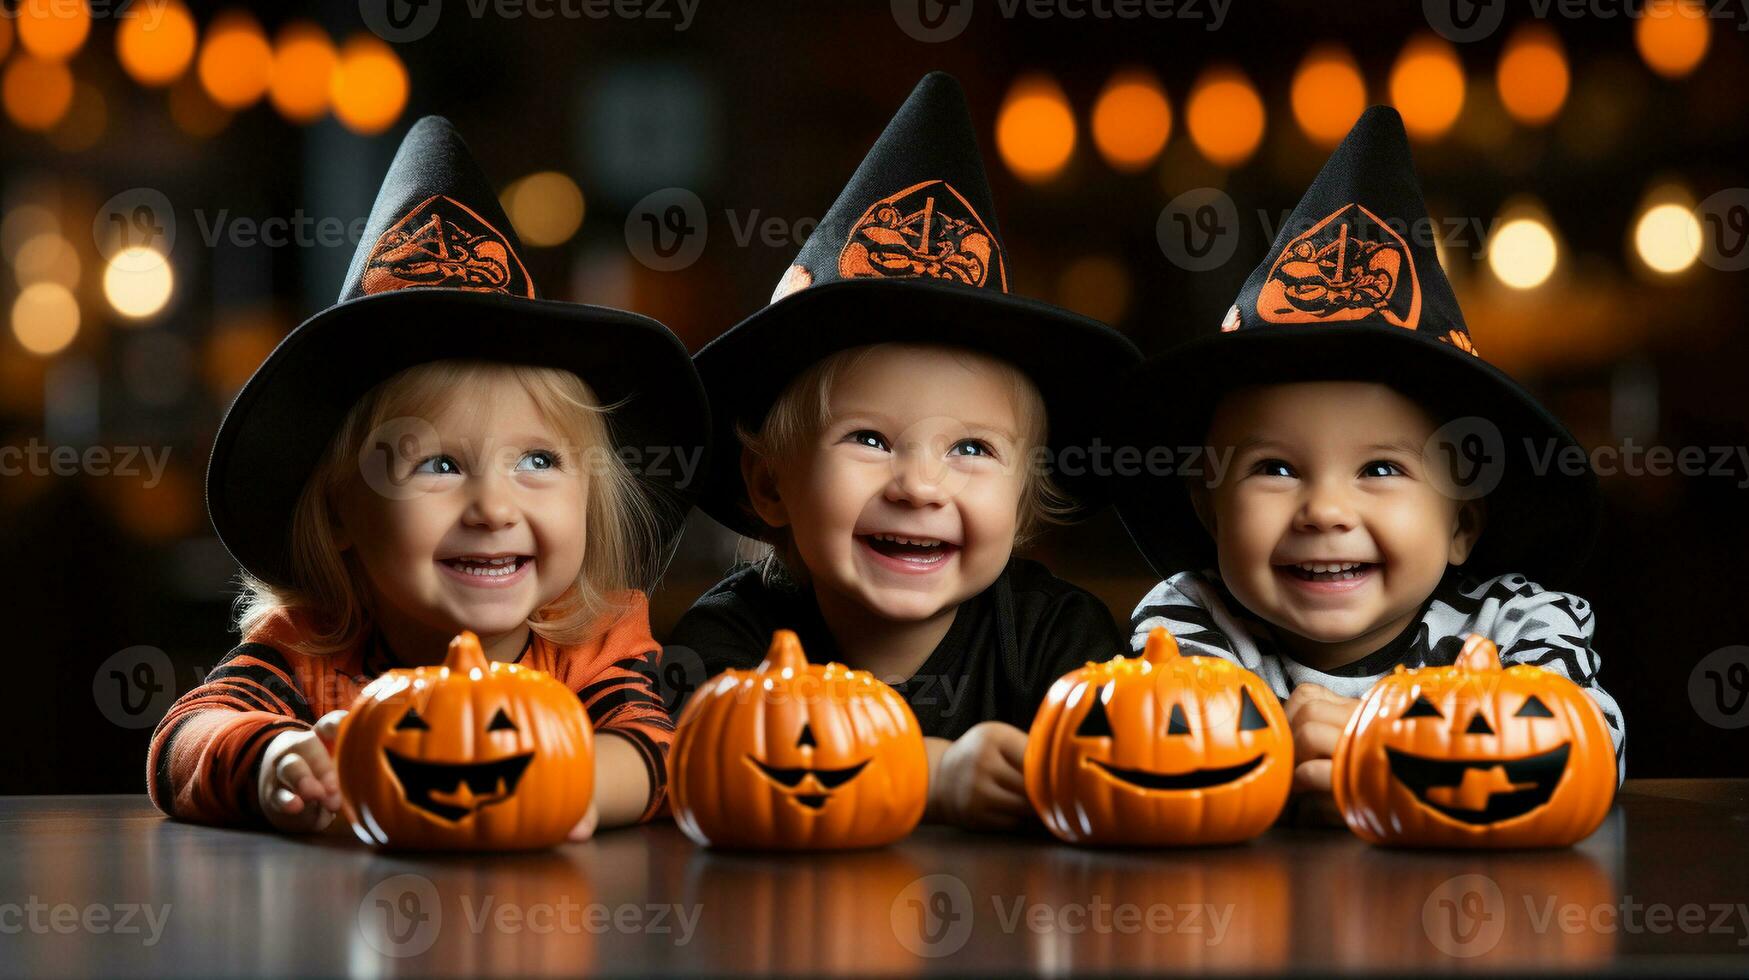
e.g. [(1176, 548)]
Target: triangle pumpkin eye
[(412, 722), (1096, 724), (1534, 708), (501, 722), (1422, 708), (1177, 725), (1250, 719)]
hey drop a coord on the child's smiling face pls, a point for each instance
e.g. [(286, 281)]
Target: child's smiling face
[(1327, 523), (488, 522), (906, 503)]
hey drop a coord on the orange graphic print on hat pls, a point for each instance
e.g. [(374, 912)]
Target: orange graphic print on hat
[(444, 243), (925, 230), (1349, 266)]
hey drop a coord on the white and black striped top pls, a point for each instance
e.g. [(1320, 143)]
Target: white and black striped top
[(1530, 625)]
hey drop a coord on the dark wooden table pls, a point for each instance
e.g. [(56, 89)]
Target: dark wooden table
[(104, 885)]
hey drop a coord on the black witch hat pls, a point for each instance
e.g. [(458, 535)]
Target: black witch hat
[(1352, 289), (909, 253), (437, 275)]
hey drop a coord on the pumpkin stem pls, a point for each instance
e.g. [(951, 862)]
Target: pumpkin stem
[(785, 651), (1161, 646), (465, 653), (1479, 653)]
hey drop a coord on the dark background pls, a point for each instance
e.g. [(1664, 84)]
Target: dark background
[(763, 110)]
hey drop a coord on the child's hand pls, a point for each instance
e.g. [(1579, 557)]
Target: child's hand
[(299, 788), (978, 782), (1316, 716), (585, 828)]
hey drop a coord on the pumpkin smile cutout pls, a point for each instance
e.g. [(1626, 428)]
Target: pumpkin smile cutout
[(823, 781), (1159, 749), (469, 755), (451, 791), (797, 756), (1475, 755)]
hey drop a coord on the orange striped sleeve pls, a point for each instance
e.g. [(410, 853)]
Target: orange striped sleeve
[(205, 752), (615, 678)]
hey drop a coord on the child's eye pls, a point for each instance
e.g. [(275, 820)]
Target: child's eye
[(1381, 467), (1273, 467), (869, 438), (537, 460), (443, 465), (971, 447)]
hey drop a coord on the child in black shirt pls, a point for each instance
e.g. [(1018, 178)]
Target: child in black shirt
[(895, 407)]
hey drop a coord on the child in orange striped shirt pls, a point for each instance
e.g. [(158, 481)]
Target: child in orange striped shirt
[(439, 451)]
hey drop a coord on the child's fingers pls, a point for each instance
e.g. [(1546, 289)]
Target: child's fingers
[(1315, 740), (295, 772), (997, 809), (328, 726), (1304, 695), (1332, 713), (311, 788), (1011, 742), (999, 797), (286, 801), (1010, 781), (585, 828), (326, 785), (292, 769), (1313, 775)]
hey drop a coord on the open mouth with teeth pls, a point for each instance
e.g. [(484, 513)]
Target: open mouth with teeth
[(1328, 571), (918, 551), (453, 790), (792, 778), (1159, 781), (1480, 791), (479, 566)]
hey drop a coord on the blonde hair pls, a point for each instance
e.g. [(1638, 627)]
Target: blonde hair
[(804, 409), (329, 590)]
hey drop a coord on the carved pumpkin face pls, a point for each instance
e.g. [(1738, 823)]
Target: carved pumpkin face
[(466, 755), (1159, 749), (1473, 755), (797, 756)]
